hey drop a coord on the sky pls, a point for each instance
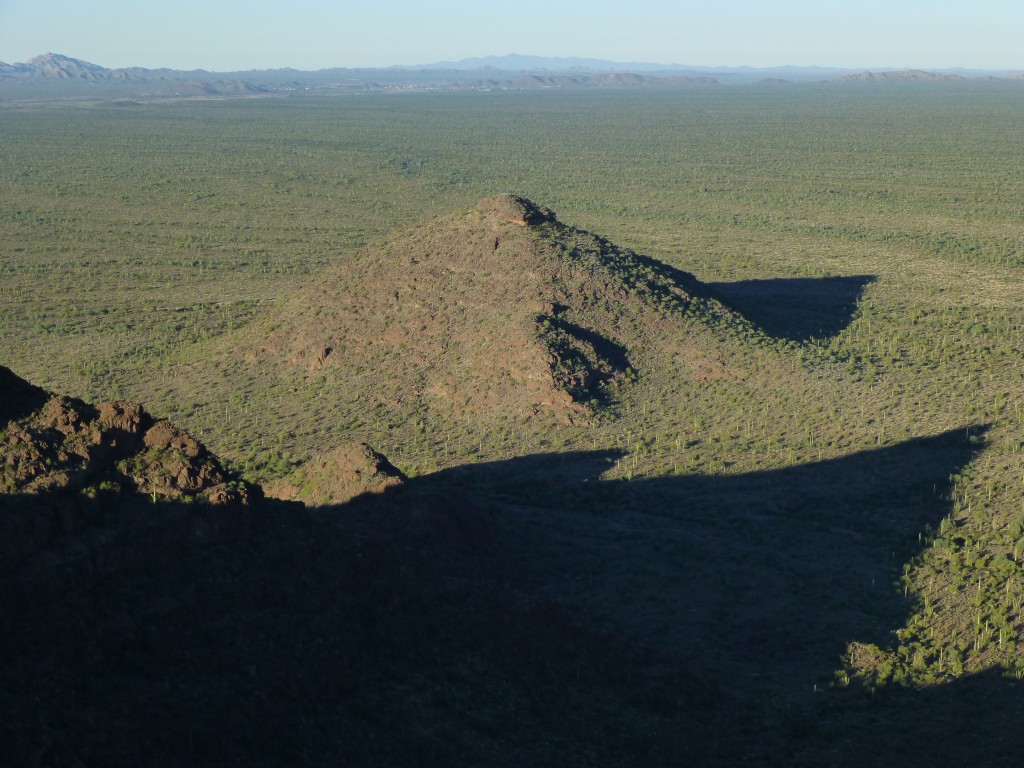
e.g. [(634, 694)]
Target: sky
[(232, 35)]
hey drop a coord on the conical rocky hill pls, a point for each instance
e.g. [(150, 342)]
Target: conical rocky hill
[(499, 312)]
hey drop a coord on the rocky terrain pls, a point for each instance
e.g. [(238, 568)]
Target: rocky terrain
[(52, 443), (156, 610), (338, 476)]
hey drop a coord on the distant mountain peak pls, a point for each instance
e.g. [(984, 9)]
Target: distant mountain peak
[(58, 65), (902, 75)]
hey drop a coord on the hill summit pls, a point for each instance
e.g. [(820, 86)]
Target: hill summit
[(500, 310)]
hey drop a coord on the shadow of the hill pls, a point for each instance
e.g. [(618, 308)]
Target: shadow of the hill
[(18, 398), (798, 309), (782, 568), (972, 721), (756, 581), (518, 612)]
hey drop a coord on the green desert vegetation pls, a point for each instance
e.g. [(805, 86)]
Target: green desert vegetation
[(853, 331)]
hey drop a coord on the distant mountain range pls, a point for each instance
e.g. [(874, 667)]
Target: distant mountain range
[(58, 75), (514, 62)]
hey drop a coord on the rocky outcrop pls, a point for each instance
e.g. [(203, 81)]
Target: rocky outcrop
[(52, 444), (338, 476), (515, 209)]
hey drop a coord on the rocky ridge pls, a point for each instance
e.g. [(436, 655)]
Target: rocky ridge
[(54, 445), (51, 443)]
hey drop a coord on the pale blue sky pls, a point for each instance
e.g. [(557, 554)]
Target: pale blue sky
[(226, 35)]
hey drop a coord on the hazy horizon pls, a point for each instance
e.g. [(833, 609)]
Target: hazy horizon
[(584, 63), (313, 34)]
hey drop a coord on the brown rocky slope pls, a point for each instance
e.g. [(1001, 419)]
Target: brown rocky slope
[(52, 443), (338, 476), (494, 314)]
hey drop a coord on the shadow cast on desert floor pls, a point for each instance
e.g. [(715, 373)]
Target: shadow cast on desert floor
[(797, 308), (517, 612)]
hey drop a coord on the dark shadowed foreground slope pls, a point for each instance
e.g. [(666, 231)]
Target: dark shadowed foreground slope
[(523, 612)]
